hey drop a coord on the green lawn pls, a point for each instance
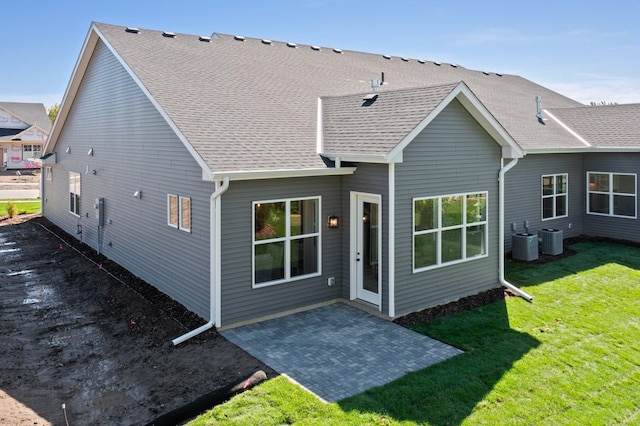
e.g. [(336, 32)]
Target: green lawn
[(572, 357), (24, 206)]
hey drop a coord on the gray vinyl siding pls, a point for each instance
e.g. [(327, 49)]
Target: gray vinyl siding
[(133, 149), (452, 155), (370, 179), (614, 227), (241, 302), (523, 194)]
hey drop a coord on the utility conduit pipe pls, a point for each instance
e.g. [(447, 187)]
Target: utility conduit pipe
[(214, 263), (503, 281)]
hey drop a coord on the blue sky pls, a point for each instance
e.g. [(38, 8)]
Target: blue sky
[(587, 50)]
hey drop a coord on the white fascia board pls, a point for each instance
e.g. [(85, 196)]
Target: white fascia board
[(488, 122), (72, 87), (361, 158), (282, 174), (477, 110), (592, 149), (207, 174)]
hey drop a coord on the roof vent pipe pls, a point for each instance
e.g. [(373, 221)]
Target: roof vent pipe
[(539, 109)]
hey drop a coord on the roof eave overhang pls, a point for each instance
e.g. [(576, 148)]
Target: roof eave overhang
[(240, 175), (80, 68), (361, 158), (582, 150)]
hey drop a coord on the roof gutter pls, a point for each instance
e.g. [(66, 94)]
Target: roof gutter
[(214, 264), (503, 281)]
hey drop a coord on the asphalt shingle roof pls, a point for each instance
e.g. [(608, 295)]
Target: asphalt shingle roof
[(34, 114), (610, 126), (352, 125), (251, 104)]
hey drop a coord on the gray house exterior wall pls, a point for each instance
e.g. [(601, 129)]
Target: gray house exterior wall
[(523, 195), (613, 227), (369, 179), (240, 302), (452, 155), (133, 149)]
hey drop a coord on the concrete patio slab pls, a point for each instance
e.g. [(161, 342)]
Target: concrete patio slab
[(337, 351)]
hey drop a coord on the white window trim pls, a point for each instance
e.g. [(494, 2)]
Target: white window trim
[(178, 225), (182, 228), (79, 193), (554, 196), (440, 228), (169, 196), (287, 240), (611, 195)]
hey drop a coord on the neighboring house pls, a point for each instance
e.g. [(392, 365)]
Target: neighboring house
[(248, 178), (24, 128)]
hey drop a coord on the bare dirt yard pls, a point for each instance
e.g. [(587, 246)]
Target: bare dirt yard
[(79, 331)]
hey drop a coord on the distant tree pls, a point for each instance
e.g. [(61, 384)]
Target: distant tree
[(53, 112), (602, 103)]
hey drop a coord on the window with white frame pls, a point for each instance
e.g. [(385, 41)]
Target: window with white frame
[(449, 229), (554, 196), (179, 212), (286, 240), (31, 151), (48, 172), (74, 193), (612, 194)]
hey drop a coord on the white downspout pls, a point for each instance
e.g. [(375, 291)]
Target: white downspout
[(214, 264), (505, 283)]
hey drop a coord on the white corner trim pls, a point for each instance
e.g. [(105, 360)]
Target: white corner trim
[(391, 267), (319, 135)]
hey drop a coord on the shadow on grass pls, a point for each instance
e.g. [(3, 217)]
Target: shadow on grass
[(448, 392), (589, 254)]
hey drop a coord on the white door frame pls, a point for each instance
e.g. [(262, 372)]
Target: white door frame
[(356, 200)]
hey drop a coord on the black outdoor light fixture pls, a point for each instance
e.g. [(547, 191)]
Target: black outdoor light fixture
[(333, 222)]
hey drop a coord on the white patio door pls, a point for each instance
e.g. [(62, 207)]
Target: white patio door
[(366, 241)]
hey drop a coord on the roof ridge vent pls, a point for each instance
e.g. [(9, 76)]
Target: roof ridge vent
[(386, 56), (405, 59), (335, 49), (422, 61), (454, 65), (239, 38), (265, 41), (294, 45), (316, 48), (204, 38), (133, 30), (437, 63), (168, 34)]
